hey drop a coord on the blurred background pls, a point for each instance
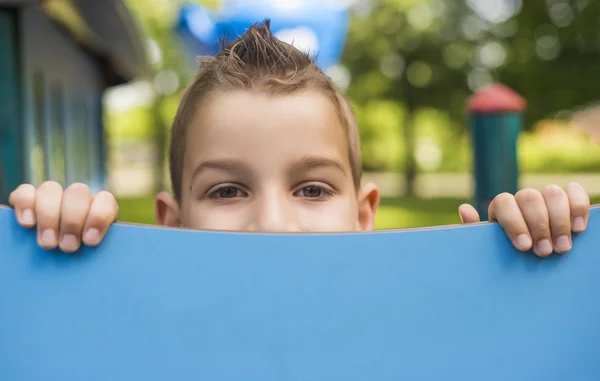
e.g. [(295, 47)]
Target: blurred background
[(88, 90)]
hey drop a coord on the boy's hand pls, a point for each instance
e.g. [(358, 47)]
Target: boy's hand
[(542, 219), (64, 219)]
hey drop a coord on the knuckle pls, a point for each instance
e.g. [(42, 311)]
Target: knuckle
[(574, 186), (579, 208), (104, 210), (22, 194), (578, 198), (76, 201), (528, 195), (561, 226), (101, 218), (105, 193), (108, 199), (71, 226), (105, 196), (47, 219), (78, 189), (24, 187), (553, 191), (540, 229), (504, 198), (50, 186)]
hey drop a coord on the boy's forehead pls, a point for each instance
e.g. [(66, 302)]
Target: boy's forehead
[(238, 119), (264, 104)]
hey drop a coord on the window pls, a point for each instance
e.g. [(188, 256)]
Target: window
[(39, 171), (81, 141), (11, 151), (57, 137)]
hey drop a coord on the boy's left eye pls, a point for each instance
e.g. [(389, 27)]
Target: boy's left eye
[(227, 192), (313, 192)]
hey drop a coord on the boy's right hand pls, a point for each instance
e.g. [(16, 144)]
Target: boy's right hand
[(64, 218)]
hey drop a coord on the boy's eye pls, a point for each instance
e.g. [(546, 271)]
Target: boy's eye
[(227, 192), (313, 192)]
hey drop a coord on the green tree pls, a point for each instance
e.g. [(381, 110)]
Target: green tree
[(554, 56), (171, 63), (410, 52), (435, 54)]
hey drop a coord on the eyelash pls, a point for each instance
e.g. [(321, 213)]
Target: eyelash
[(327, 193), (214, 194)]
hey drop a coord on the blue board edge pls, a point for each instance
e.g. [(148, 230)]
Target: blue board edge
[(279, 314)]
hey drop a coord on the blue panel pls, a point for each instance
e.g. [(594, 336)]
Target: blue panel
[(160, 304), (11, 139)]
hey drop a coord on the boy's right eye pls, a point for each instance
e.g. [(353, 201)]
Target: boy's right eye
[(227, 192)]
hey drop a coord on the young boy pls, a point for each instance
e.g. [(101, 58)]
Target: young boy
[(263, 141)]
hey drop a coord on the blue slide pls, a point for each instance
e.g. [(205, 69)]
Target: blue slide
[(451, 304)]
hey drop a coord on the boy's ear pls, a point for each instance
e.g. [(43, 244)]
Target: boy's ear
[(368, 202), (167, 210)]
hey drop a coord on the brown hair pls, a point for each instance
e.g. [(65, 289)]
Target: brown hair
[(258, 61)]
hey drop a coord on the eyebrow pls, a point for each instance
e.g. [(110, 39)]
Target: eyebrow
[(236, 166), (312, 162), (227, 165)]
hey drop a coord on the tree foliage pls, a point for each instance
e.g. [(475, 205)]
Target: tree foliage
[(433, 54), (413, 63)]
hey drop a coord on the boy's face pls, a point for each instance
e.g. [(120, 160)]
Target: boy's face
[(261, 163)]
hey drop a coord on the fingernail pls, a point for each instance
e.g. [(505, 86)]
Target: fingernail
[(579, 224), (92, 236), (27, 217), (523, 242), (49, 237), (69, 242), (562, 243), (544, 247)]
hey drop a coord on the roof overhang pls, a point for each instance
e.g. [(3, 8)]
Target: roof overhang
[(13, 3), (119, 35), (106, 30)]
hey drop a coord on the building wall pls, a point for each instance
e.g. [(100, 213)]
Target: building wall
[(62, 110), (11, 165)]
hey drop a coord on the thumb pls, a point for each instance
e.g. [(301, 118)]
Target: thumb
[(468, 214)]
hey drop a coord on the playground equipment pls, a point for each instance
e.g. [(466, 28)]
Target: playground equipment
[(313, 26), (56, 60), (496, 121), (453, 304)]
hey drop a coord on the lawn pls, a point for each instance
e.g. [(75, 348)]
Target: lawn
[(399, 212)]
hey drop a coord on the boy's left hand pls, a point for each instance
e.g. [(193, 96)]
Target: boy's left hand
[(542, 219)]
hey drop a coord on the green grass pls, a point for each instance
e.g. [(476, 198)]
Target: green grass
[(410, 212), (403, 212), (139, 210), (393, 213)]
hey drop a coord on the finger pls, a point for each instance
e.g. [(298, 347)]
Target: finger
[(505, 210), (533, 208), (557, 204), (103, 213), (47, 209), (76, 203), (468, 214), (22, 200), (579, 203)]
